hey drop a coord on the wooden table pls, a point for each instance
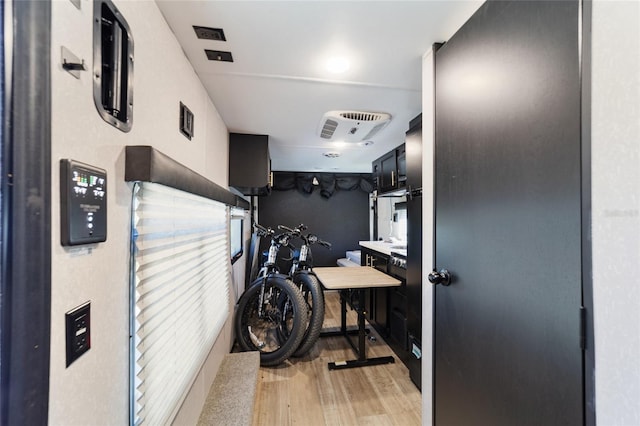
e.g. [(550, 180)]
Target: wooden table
[(349, 280)]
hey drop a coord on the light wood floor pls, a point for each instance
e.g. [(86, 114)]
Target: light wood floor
[(303, 391)]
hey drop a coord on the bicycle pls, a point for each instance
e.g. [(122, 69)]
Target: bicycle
[(270, 313), (301, 273)]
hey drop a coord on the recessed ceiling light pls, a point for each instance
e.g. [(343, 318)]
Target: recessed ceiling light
[(337, 65)]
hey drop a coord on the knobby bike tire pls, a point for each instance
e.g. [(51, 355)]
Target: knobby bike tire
[(314, 297), (265, 336)]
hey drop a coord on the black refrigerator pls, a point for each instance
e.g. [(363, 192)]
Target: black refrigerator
[(414, 247)]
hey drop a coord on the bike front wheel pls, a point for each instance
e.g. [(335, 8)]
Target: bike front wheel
[(264, 311)]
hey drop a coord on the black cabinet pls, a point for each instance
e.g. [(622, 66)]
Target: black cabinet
[(389, 171), (377, 299), (414, 246), (384, 171), (249, 163), (413, 143), (401, 162)]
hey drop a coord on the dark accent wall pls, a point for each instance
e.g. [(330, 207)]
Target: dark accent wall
[(343, 219)]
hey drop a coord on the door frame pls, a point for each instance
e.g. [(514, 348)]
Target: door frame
[(25, 306), (429, 242), (588, 354)]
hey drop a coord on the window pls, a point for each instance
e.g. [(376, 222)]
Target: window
[(236, 229), (180, 280)]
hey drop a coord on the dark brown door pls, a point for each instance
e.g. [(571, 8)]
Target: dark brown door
[(507, 330)]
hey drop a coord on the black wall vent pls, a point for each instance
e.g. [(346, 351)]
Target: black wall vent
[(112, 65), (186, 121), (207, 33), (218, 55)]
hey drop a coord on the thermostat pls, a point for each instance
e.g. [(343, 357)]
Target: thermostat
[(83, 203)]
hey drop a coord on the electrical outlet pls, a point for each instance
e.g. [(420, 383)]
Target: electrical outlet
[(78, 326)]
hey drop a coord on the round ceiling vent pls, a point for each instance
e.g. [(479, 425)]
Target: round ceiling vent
[(331, 154)]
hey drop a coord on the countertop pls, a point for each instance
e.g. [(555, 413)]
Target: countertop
[(383, 247)]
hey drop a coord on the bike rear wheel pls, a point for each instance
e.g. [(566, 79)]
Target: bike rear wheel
[(314, 298), (260, 327)]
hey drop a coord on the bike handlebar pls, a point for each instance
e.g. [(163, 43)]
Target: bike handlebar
[(308, 239), (325, 244), (262, 231), (297, 231), (286, 228)]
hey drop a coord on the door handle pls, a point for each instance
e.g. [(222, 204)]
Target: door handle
[(440, 277)]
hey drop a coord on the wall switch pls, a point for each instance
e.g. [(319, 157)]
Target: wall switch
[(78, 326)]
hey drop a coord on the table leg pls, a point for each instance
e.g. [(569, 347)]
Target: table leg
[(343, 312), (362, 360), (362, 354)]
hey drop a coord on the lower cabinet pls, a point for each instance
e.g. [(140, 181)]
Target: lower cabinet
[(398, 331), (387, 309), (381, 311), (377, 300)]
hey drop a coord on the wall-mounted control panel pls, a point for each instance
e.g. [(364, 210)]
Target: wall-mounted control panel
[(83, 203), (78, 330)]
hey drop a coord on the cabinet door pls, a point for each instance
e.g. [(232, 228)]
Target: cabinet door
[(249, 163), (375, 171), (365, 260), (388, 172), (381, 313), (401, 160)]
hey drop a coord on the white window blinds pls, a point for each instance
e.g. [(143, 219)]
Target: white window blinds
[(180, 280)]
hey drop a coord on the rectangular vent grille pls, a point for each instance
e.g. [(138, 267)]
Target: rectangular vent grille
[(206, 33), (328, 129), (218, 55), (360, 116)]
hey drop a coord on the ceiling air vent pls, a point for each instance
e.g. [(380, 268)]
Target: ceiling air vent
[(331, 154), (352, 126), (207, 33), (218, 55), (361, 116), (328, 128)]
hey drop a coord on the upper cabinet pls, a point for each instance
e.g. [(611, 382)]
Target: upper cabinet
[(250, 164), (401, 167), (389, 171)]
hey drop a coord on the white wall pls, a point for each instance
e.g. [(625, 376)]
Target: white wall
[(95, 389), (616, 210), (428, 132)]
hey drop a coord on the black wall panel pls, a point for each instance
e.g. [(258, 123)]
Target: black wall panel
[(343, 219)]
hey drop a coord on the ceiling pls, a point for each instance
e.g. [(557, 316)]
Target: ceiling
[(278, 83)]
